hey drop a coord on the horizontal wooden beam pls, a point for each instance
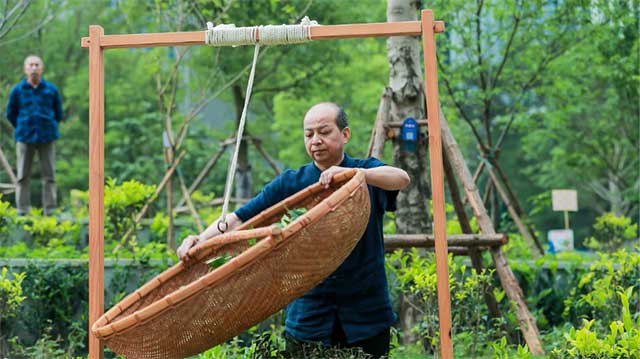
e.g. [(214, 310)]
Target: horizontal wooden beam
[(320, 32), (6, 188), (398, 124), (453, 240), (456, 251)]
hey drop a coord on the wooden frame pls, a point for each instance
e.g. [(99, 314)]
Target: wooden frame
[(97, 42)]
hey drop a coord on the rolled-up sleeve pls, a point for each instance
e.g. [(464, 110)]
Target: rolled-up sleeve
[(270, 195), (385, 200)]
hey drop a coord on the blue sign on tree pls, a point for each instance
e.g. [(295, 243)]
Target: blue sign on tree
[(409, 134)]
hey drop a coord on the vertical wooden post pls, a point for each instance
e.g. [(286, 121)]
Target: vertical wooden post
[(437, 182), (96, 186)]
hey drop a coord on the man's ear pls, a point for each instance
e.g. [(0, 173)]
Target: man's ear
[(346, 134)]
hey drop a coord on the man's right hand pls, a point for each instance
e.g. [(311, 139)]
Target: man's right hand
[(187, 243)]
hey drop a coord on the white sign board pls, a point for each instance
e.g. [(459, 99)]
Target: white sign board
[(560, 240), (564, 200)]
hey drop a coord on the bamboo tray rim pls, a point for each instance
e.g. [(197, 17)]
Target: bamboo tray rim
[(350, 181)]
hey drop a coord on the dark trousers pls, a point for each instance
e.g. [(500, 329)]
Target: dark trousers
[(377, 346), (47, 156)]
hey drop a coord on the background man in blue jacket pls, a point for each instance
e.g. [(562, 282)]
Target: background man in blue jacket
[(34, 110)]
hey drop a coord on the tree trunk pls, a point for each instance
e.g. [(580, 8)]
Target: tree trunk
[(407, 100)]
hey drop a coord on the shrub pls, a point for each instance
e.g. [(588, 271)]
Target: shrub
[(416, 275), (596, 294), (621, 341), (10, 299), (8, 221), (122, 203), (44, 229), (611, 232)]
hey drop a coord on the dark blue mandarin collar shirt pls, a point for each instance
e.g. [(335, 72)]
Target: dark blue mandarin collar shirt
[(356, 292), (35, 112)]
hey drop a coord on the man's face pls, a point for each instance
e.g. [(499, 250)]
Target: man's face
[(323, 139), (33, 68)]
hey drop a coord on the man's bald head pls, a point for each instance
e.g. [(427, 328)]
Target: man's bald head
[(33, 68), (330, 107)]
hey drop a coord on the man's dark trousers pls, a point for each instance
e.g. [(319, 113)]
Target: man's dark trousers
[(46, 155)]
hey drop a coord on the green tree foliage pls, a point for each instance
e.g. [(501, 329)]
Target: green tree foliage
[(552, 71), (587, 126)]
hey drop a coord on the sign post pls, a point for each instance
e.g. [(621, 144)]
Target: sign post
[(564, 200)]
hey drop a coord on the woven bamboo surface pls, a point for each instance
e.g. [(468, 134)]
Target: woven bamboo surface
[(190, 308)]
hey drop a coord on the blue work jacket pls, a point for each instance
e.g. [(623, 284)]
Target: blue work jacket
[(356, 293), (35, 112)]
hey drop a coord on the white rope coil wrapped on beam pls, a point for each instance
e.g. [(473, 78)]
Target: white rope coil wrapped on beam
[(230, 35)]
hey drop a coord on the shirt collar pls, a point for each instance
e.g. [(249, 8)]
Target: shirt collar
[(346, 162), (26, 84)]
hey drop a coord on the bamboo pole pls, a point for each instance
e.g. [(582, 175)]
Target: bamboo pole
[(509, 283), (465, 225), (213, 202), (516, 203), (168, 158), (203, 173), (7, 168), (437, 183), (265, 155), (456, 251), (534, 246), (192, 208), (6, 188), (488, 187), (457, 240), (398, 124), (96, 187), (145, 208), (476, 175), (379, 133)]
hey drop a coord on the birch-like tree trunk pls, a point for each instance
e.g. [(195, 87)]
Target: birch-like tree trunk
[(407, 100)]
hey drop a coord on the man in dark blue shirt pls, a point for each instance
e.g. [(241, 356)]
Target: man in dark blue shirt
[(35, 109), (351, 308)]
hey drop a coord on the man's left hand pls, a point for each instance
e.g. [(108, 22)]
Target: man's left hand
[(327, 175)]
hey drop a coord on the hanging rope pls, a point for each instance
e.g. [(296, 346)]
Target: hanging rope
[(230, 35), (222, 224)]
